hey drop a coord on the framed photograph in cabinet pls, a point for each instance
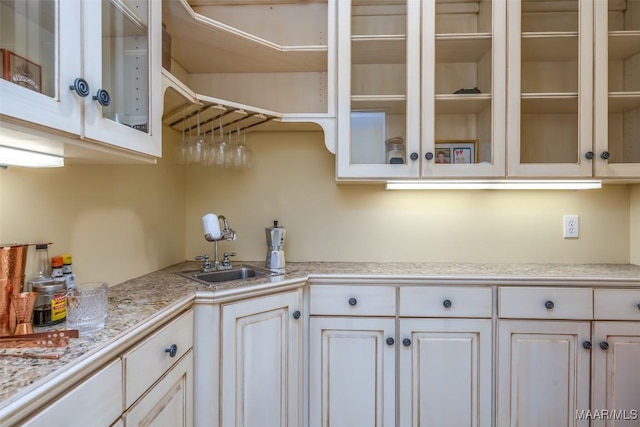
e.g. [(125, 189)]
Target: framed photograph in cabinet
[(21, 71), (456, 151)]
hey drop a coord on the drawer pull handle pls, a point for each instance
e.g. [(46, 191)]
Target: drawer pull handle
[(587, 345), (588, 155), (173, 350), (406, 342), (446, 303), (353, 301), (296, 314), (80, 86), (604, 345), (549, 305), (390, 341)]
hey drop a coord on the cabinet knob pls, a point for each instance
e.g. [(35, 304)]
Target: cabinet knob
[(353, 301), (80, 86), (587, 345), (103, 98), (549, 305), (446, 303), (604, 345), (414, 156), (605, 155), (429, 156), (588, 155), (296, 314), (390, 341), (638, 306), (406, 342), (173, 350)]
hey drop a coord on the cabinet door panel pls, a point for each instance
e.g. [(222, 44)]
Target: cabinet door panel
[(169, 403), (351, 372), (445, 373), (261, 362), (543, 373), (616, 376)]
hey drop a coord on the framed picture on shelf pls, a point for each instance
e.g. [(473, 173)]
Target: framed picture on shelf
[(462, 151), (21, 71)]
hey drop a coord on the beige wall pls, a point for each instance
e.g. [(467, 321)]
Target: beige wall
[(634, 220), (118, 222), (292, 180)]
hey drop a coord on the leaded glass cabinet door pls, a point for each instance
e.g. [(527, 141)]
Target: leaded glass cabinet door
[(463, 88), (41, 58), (617, 88), (550, 93), (378, 86)]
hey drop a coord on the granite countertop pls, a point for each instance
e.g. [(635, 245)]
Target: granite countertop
[(134, 302)]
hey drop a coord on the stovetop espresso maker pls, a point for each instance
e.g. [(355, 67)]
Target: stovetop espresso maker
[(275, 246)]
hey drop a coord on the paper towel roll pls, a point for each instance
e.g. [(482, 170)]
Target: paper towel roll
[(211, 227)]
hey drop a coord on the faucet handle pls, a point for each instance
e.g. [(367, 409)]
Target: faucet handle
[(226, 262), (206, 264)]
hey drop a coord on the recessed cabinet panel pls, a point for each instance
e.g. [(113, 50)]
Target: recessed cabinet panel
[(617, 89)]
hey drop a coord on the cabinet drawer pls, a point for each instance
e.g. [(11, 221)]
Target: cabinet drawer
[(97, 401), (616, 304), (545, 303), (149, 360), (352, 300), (445, 301)]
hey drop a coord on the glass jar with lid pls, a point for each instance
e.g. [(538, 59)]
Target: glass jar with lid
[(51, 303), (396, 151)]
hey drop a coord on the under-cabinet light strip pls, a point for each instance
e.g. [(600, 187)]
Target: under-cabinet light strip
[(504, 184), (11, 156)]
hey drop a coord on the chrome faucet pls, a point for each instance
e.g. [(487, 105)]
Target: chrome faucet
[(225, 234)]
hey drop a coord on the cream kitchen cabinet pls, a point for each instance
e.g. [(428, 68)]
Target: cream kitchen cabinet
[(543, 355), (430, 73), (615, 382), (261, 365), (97, 68), (445, 361)]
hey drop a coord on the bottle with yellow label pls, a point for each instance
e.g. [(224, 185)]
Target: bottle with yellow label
[(51, 303)]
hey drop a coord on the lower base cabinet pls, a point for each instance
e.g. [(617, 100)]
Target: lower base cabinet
[(351, 372), (543, 372), (261, 362), (169, 403), (445, 370)]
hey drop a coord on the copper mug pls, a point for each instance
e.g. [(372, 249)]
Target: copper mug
[(13, 259)]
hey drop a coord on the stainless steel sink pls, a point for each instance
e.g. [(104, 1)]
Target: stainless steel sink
[(235, 273)]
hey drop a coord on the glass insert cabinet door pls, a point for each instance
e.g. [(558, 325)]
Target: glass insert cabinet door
[(378, 80), (121, 66), (463, 87), (550, 117), (617, 88), (40, 57)]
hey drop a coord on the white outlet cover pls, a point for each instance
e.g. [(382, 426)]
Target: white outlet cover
[(571, 226)]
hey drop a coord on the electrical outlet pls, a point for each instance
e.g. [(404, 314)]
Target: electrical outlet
[(571, 228)]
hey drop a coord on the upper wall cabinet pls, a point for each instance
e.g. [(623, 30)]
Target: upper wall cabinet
[(421, 88), (86, 70), (617, 88), (550, 114), (274, 57)]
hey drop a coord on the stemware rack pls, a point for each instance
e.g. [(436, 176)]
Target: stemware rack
[(185, 111)]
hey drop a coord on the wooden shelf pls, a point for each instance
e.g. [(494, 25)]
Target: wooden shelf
[(462, 104), (390, 104), (203, 45), (549, 103), (550, 47), (462, 47), (621, 102), (623, 44)]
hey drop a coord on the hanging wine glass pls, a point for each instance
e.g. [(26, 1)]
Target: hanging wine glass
[(195, 144), (181, 149), (240, 160), (207, 147), (220, 148), (230, 154)]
